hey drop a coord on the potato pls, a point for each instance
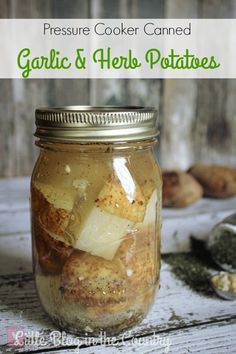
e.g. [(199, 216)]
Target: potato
[(51, 241), (77, 318), (97, 282), (53, 220), (50, 253), (85, 278), (125, 199), (217, 181), (180, 189)]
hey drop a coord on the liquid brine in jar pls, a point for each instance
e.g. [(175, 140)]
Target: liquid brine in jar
[(96, 200)]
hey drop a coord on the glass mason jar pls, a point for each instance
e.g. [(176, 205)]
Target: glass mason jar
[(96, 200)]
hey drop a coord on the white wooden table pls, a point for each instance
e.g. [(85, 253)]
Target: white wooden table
[(181, 321)]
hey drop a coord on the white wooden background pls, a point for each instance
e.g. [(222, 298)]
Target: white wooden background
[(193, 323), (197, 117)]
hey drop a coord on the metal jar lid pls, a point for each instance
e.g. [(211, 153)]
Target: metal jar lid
[(96, 124)]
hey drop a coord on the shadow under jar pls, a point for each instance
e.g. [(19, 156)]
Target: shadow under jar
[(96, 202)]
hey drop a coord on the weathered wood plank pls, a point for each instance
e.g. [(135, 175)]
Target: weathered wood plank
[(20, 306), (143, 92), (26, 95), (181, 9), (74, 9), (7, 129), (214, 138), (6, 114), (216, 9), (15, 254), (23, 142), (29, 9), (230, 114), (202, 206), (120, 91), (4, 9), (16, 222), (110, 91), (178, 104), (65, 92), (148, 9), (177, 232), (14, 194), (213, 339), (19, 98)]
